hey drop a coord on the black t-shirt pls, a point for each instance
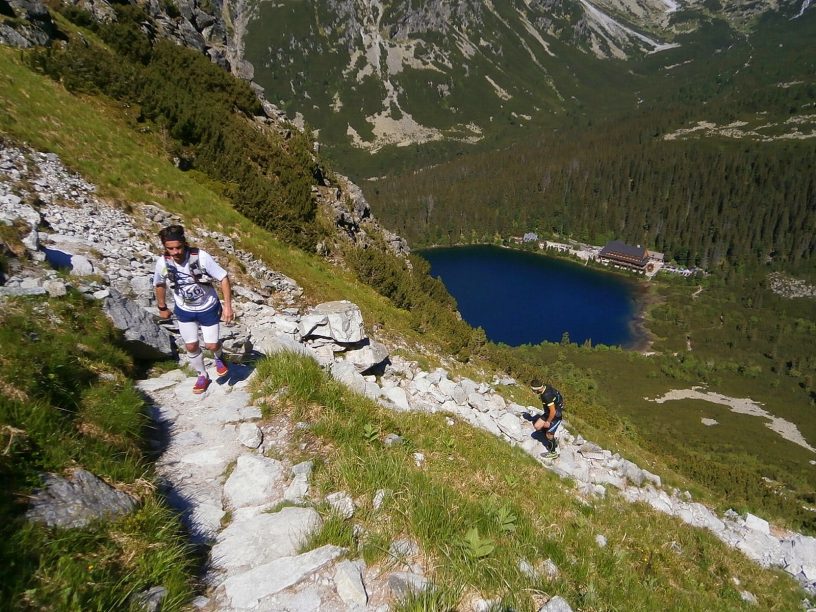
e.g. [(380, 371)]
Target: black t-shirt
[(552, 395)]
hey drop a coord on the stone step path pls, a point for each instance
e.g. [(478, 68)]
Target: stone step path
[(216, 473)]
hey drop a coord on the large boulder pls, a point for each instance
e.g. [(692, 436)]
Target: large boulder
[(369, 356), (339, 321), (143, 337), (77, 501)]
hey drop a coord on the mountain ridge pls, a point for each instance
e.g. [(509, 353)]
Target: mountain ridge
[(371, 75)]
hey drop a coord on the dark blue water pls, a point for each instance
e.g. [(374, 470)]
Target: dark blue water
[(520, 298)]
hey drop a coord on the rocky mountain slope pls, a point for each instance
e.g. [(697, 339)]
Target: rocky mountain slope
[(375, 74), (207, 435)]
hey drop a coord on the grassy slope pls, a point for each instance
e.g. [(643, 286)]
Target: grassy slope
[(469, 479), (66, 401), (97, 139)]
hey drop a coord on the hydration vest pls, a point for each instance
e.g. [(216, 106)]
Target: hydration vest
[(553, 395), (196, 271)]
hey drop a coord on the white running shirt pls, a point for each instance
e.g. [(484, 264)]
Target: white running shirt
[(188, 294)]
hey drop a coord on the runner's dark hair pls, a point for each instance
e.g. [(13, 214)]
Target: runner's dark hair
[(171, 233)]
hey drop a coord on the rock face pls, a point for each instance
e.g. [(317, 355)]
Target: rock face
[(77, 501), (144, 338), (31, 27)]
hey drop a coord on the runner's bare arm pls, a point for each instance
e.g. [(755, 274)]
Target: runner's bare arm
[(226, 290), (161, 301)]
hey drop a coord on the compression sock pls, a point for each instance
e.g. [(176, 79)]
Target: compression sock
[(197, 362)]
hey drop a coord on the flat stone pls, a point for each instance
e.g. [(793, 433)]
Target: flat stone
[(511, 426), (254, 481), (164, 381), (398, 397), (55, 288), (81, 265), (250, 589), (22, 291), (77, 501), (757, 524), (264, 538), (348, 580)]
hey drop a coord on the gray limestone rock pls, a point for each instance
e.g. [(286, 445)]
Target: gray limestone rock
[(346, 373), (404, 583), (55, 288), (527, 569), (757, 524), (402, 549), (379, 498), (250, 435), (341, 503), (511, 426), (77, 501), (255, 481), (749, 597), (249, 294), (303, 469), (81, 265), (143, 337), (348, 580), (479, 402), (150, 600), (398, 397), (32, 24), (252, 589), (368, 356), (556, 604), (263, 538), (21, 291), (459, 394), (298, 489), (341, 321), (270, 341), (12, 38), (632, 472)]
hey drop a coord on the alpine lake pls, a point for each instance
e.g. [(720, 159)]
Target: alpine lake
[(519, 297)]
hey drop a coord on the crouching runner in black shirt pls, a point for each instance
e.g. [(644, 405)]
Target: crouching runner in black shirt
[(549, 421)]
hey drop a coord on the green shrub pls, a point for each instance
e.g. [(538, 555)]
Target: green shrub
[(207, 113)]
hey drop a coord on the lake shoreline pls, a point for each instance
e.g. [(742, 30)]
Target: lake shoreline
[(643, 337)]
